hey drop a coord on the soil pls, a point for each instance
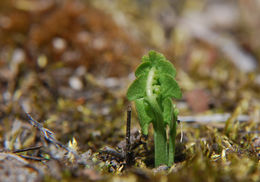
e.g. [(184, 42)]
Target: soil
[(65, 67)]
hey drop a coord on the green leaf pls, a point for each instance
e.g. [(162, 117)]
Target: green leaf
[(137, 88), (165, 67), (175, 111), (143, 69), (145, 58), (149, 110), (167, 111), (157, 60), (169, 87), (144, 119), (154, 57)]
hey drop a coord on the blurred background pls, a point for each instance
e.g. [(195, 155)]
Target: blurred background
[(69, 63)]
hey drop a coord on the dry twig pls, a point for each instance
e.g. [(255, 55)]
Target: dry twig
[(49, 136), (212, 118)]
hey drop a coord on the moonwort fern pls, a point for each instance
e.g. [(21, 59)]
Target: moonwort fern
[(152, 91)]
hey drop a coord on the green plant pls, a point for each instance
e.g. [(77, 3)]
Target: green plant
[(152, 92)]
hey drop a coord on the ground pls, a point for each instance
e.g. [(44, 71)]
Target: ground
[(65, 67)]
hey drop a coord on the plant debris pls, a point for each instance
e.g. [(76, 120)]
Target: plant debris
[(68, 64)]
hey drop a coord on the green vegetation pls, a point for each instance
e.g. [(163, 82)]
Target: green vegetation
[(152, 92)]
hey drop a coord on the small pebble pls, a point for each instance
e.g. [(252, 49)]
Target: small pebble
[(59, 44), (75, 83)]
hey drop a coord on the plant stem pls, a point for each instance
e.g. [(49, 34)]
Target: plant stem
[(160, 143), (128, 144), (160, 139)]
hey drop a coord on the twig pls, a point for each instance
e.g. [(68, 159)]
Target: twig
[(128, 144), (18, 158), (33, 158), (14, 156), (49, 136), (113, 152), (27, 149), (212, 118), (29, 157)]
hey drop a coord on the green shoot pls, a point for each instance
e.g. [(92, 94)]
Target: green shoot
[(152, 92)]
